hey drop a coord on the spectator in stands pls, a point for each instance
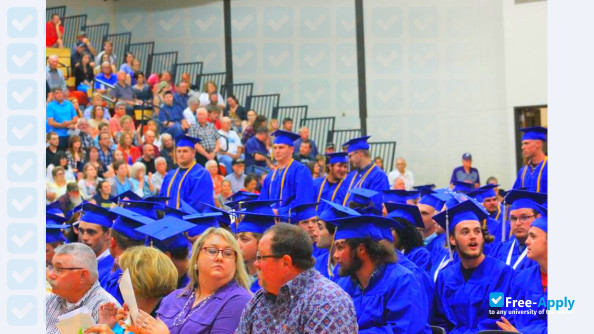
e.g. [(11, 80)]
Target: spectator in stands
[(51, 150), (131, 152), (213, 116), (215, 103), (466, 173), (222, 198), (120, 182), (61, 116), (97, 100), (234, 110), (190, 111), (141, 184), (123, 92), (185, 77), (54, 76), (85, 133), (151, 125), (159, 174), (127, 126), (316, 170), (76, 106), (379, 162), (304, 133), (148, 158), (149, 139), (54, 32), (105, 78), (181, 96), (71, 198), (399, 184), (256, 153), (107, 50), (250, 130), (83, 73), (250, 184), (304, 153), (209, 145), (105, 58), (56, 187), (213, 169), (60, 160), (171, 117), (88, 48), (273, 125), (97, 117), (288, 124), (166, 76), (103, 195), (105, 149), (88, 183), (93, 158), (231, 147), (209, 88), (167, 150), (403, 173), (127, 68), (237, 176), (75, 154), (141, 89), (76, 54), (114, 123)]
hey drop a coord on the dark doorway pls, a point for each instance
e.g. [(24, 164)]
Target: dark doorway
[(525, 117)]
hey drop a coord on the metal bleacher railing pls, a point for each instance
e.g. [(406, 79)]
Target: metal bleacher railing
[(163, 61), (240, 91), (296, 113), (60, 10), (120, 42), (95, 34), (263, 104), (220, 79), (142, 52), (194, 69), (386, 150), (320, 129), (339, 137), (72, 25)]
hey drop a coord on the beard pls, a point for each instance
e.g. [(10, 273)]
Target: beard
[(76, 200), (466, 254), (356, 264)]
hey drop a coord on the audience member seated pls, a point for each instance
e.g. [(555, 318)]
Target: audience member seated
[(83, 72), (149, 139), (127, 68), (403, 173), (81, 37), (379, 162), (288, 124), (230, 144), (56, 187), (103, 195), (223, 197), (190, 111), (93, 158), (171, 117), (89, 181), (123, 92), (127, 126), (304, 153), (234, 110), (107, 50), (213, 116), (141, 184), (97, 100), (131, 152), (151, 125), (304, 133), (237, 176), (53, 75), (148, 158), (54, 32), (61, 117), (181, 95), (120, 182), (210, 87), (209, 144), (250, 131), (60, 160), (251, 184), (141, 88), (167, 150), (213, 169), (75, 154), (256, 153), (105, 78), (97, 117), (105, 148), (159, 174), (114, 123), (51, 149), (71, 199)]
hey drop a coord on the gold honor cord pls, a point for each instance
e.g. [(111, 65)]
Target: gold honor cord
[(180, 183), (358, 185), (539, 174), (282, 180)]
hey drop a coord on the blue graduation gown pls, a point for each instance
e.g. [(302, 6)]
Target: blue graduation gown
[(104, 267), (324, 193), (322, 265), (528, 178), (436, 247), (421, 257), (376, 180), (255, 286), (297, 188), (385, 305), (527, 285), (197, 187), (112, 285), (442, 262), (463, 306), (318, 251), (513, 245), (423, 277)]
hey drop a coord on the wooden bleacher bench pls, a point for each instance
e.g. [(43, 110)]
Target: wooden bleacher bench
[(64, 66)]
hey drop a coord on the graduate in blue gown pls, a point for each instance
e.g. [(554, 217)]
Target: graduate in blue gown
[(190, 181), (93, 230), (306, 217), (365, 173), (522, 211), (381, 289), (461, 302), (488, 198), (531, 283), (327, 187), (433, 236), (291, 182), (534, 175), (54, 237)]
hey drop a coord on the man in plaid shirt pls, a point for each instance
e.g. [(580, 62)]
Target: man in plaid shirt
[(105, 149), (209, 136)]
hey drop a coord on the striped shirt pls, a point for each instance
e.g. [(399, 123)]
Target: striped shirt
[(56, 306)]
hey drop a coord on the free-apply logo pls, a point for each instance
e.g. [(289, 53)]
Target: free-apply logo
[(496, 299)]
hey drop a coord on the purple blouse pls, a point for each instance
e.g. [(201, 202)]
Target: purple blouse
[(220, 314)]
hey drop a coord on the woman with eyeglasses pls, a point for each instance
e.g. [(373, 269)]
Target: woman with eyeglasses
[(215, 296)]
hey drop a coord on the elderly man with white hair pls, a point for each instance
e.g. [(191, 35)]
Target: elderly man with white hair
[(190, 111), (73, 278), (55, 77), (209, 144), (231, 147), (401, 173)]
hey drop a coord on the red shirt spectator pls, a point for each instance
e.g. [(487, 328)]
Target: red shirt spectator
[(51, 33)]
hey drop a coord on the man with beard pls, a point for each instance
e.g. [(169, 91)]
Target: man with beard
[(488, 198), (534, 176), (365, 174), (461, 303), (93, 231), (71, 198), (381, 289), (522, 212), (327, 187)]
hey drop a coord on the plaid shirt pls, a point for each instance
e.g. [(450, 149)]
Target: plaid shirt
[(208, 134), (106, 159), (86, 140)]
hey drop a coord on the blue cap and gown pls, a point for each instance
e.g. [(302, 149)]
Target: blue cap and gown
[(101, 216), (495, 219), (534, 178), (323, 188)]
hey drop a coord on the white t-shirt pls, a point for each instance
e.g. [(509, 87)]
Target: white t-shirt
[(234, 141), (408, 178), (189, 116)]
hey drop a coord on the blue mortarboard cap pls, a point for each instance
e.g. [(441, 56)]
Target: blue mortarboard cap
[(126, 194), (425, 189), (335, 211), (284, 137), (54, 208), (407, 212), (144, 208), (166, 234), (467, 210), (541, 222), (303, 212), (224, 218), (522, 199), (186, 141), (183, 210), (76, 209), (534, 133), (202, 222), (367, 197), (359, 143), (264, 207), (51, 218), (53, 232), (244, 196), (463, 187), (338, 157), (449, 197), (96, 214), (159, 200), (360, 227), (255, 223), (433, 200), (399, 196), (484, 192), (128, 221)]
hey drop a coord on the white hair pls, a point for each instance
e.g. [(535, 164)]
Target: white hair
[(225, 119), (136, 167), (53, 57), (201, 109), (194, 99), (82, 256), (210, 163), (159, 160)]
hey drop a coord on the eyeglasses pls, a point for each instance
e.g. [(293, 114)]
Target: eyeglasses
[(60, 270), (214, 252), (522, 219), (260, 257)]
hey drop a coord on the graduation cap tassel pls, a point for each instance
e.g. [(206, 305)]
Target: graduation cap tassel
[(329, 265), (448, 236), (503, 238)]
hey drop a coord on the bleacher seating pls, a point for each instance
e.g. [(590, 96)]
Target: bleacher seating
[(163, 61), (72, 25), (64, 63), (142, 52), (194, 69), (60, 10), (320, 128), (220, 79), (120, 45), (296, 113), (95, 33), (241, 91), (263, 104), (339, 137)]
